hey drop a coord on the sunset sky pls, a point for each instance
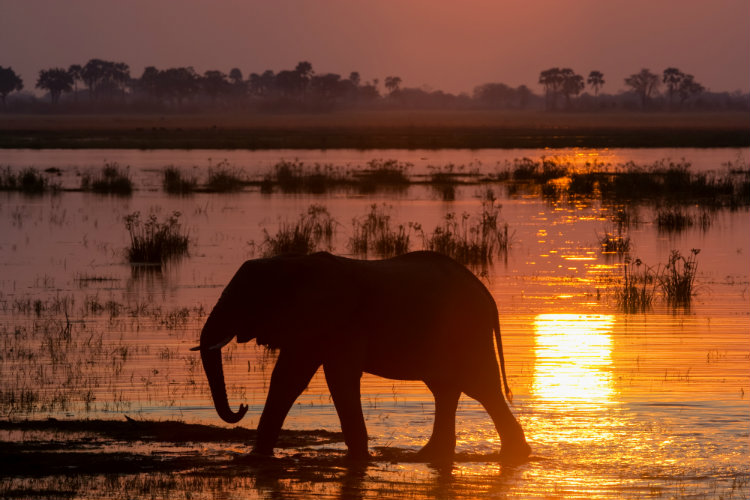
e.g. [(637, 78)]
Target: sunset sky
[(448, 45)]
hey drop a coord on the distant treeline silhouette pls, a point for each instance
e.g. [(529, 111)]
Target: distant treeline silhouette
[(101, 85)]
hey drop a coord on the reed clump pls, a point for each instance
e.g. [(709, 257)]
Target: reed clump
[(374, 233), (472, 241), (312, 228), (638, 287), (224, 179), (677, 279), (27, 181), (615, 241), (110, 180), (388, 175), (174, 181), (152, 241)]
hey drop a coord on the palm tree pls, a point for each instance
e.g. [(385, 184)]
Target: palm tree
[(392, 83), (552, 79), (595, 81)]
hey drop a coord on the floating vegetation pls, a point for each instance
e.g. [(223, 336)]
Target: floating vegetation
[(675, 219), (155, 242), (637, 291), (28, 181), (374, 234), (224, 179), (313, 228), (472, 241), (175, 182), (111, 180), (677, 279), (380, 174)]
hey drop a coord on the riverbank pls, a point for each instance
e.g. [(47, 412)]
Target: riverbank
[(377, 130)]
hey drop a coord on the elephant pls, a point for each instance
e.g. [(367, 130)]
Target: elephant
[(417, 316)]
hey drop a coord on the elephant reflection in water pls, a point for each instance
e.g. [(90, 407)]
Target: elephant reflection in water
[(419, 316)]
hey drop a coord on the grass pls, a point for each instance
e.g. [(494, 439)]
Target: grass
[(389, 175), (110, 180), (175, 182), (155, 242), (224, 179), (374, 234), (472, 241), (677, 279), (27, 181), (615, 242), (384, 129), (637, 291), (312, 229)]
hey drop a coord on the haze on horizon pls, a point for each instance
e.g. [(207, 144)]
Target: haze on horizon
[(446, 45)]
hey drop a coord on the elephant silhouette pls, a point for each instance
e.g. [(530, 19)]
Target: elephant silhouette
[(418, 316)]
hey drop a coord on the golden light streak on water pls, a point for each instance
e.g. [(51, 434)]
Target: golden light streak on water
[(573, 359)]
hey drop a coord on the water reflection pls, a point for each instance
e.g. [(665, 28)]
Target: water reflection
[(573, 359)]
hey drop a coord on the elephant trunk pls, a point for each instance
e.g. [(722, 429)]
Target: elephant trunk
[(214, 372)]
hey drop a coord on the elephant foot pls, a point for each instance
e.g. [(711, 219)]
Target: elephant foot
[(358, 457), (432, 453), (262, 451), (515, 453)]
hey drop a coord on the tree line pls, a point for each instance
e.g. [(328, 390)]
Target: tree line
[(101, 84)]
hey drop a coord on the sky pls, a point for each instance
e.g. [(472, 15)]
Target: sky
[(451, 45)]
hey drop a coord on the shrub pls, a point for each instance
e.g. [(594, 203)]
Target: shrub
[(152, 241)]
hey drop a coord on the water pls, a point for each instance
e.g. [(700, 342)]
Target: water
[(614, 405)]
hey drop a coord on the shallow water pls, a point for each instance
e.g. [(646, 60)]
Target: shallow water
[(614, 405)]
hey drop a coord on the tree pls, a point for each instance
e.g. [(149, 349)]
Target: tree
[(105, 77), (572, 84), (688, 88), (9, 82), (672, 77), (214, 83), (553, 80), (235, 76), (355, 78), (74, 70), (644, 84), (55, 81), (595, 81), (392, 83)]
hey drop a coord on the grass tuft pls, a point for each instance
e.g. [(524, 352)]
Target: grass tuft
[(224, 179), (374, 233), (174, 181), (111, 180), (28, 181), (152, 241), (677, 279), (637, 291), (615, 242), (313, 228)]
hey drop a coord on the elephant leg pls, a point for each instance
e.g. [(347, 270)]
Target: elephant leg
[(488, 391), (290, 377), (442, 443), (343, 382)]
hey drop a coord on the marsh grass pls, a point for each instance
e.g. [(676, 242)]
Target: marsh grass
[(472, 241), (677, 278), (296, 177), (312, 229), (174, 181), (636, 294), (110, 180), (155, 242), (383, 175), (615, 241), (374, 234), (223, 178), (27, 181)]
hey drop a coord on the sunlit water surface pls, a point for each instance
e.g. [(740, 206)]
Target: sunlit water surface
[(614, 405)]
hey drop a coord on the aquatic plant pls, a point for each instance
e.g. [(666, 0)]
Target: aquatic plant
[(677, 279), (110, 180), (471, 241), (673, 219), (312, 228), (175, 182), (636, 293), (383, 175), (373, 233), (615, 241), (224, 179), (28, 181), (152, 241)]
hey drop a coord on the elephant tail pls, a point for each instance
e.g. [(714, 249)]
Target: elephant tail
[(499, 342)]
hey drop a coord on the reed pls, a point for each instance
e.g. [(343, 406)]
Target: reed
[(110, 180), (677, 279), (155, 242), (224, 179), (374, 233), (636, 294), (27, 181), (312, 229), (175, 182)]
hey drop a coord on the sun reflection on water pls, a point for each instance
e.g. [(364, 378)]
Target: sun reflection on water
[(573, 359)]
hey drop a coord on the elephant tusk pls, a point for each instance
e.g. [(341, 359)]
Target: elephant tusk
[(211, 347)]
